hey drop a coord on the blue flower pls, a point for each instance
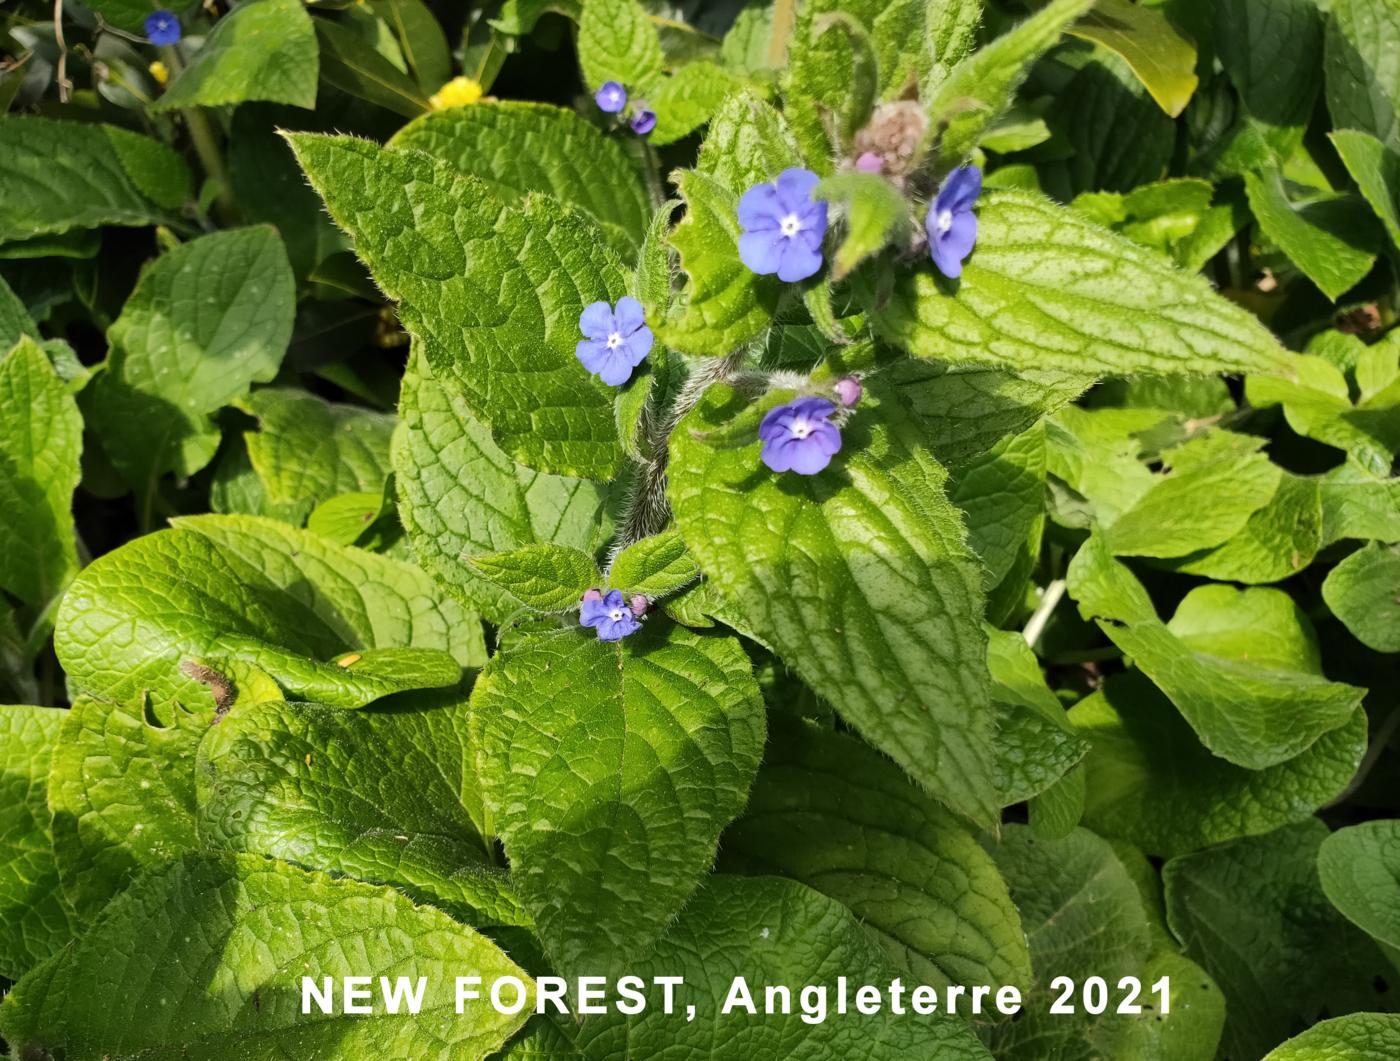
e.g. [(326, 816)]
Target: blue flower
[(783, 226), (643, 122), (609, 615), (163, 28), (800, 436), (617, 340), (611, 98), (951, 224)]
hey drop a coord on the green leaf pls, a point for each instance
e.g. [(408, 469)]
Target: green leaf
[(1002, 495), (351, 64), (981, 87), (892, 637), (420, 38), (258, 51), (1048, 290), (567, 158), (1214, 483), (725, 305), (542, 576), (950, 33), (346, 518), (1363, 79), (838, 82), (1162, 57), (253, 927), (654, 567), (35, 919), (617, 42), (460, 496), (1241, 665), (748, 143), (1358, 504), (1329, 237), (41, 438), (1082, 917), (385, 796), (609, 770), (328, 623), (1363, 591), (206, 321), (493, 292), (1252, 913), (15, 322), (834, 814), (1271, 50), (307, 450), (1277, 541), (1359, 868), (56, 176), (122, 790), (1355, 1037), (1036, 746), (1376, 170), (874, 211), (1151, 782), (777, 932), (688, 99)]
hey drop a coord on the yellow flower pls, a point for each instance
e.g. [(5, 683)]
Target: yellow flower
[(160, 72), (459, 92)]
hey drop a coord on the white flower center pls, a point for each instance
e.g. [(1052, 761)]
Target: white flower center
[(790, 225), (614, 340), (945, 222), (800, 428), (615, 614)]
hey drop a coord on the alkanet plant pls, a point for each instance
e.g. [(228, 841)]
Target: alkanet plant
[(819, 490)]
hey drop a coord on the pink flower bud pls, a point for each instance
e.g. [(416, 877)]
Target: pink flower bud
[(638, 604), (870, 162), (592, 594), (847, 391)]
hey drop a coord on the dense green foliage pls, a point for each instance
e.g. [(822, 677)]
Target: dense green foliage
[(352, 623)]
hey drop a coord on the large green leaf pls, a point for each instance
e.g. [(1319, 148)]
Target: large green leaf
[(327, 622), (205, 958), (1363, 68), (1162, 57), (542, 576), (832, 813), (517, 147), (35, 918), (1376, 170), (1048, 289), (655, 566), (1241, 665), (388, 796), (860, 577), (609, 771), (1363, 591), (205, 321), (493, 292), (1355, 1037), (460, 496), (122, 792), (1271, 50), (1359, 504), (1151, 782), (258, 51), (1252, 913), (351, 63), (56, 176), (1276, 542), (1002, 495), (617, 42), (1359, 868), (41, 438), (688, 99), (748, 143), (1331, 238), (777, 932)]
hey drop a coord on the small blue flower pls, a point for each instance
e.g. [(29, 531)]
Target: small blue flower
[(617, 340), (643, 122), (951, 224), (610, 615), (163, 28), (783, 226), (611, 98), (800, 436)]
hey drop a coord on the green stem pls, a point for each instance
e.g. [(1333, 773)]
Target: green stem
[(205, 141), (784, 18)]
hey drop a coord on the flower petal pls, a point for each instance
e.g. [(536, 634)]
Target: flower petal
[(797, 261), (592, 352), (778, 454), (812, 458), (794, 187), (812, 407), (613, 599), (759, 209), (962, 237), (762, 251), (615, 369), (960, 190), (629, 315), (596, 320), (638, 345)]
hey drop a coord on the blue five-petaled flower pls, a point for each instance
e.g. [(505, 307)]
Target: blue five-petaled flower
[(783, 226), (611, 97), (609, 614), (617, 339), (951, 224), (163, 28), (800, 436), (643, 122)]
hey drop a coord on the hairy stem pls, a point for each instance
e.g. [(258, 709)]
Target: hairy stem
[(784, 18), (206, 143)]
